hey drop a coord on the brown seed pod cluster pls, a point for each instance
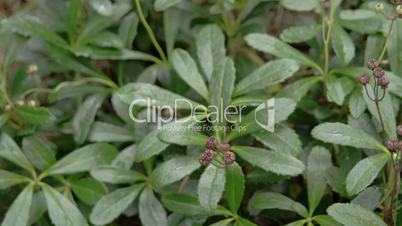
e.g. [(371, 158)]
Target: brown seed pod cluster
[(395, 145), (380, 80), (378, 72), (213, 149)]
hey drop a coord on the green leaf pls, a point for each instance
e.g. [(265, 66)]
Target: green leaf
[(394, 48), (89, 190), (151, 210), (61, 211), (73, 17), (4, 119), (244, 222), (221, 87), (370, 198), (105, 132), (271, 161), (270, 200), (116, 175), (325, 220), (364, 172), (149, 146), (171, 22), (336, 177), (128, 29), (234, 186), (10, 151), (38, 207), (224, 222), (84, 159), (12, 49), (140, 92), (106, 39), (173, 170), (385, 107), (276, 47), (18, 213), (298, 223), (210, 187), (125, 158), (33, 115), (270, 73), (210, 43), (85, 116), (297, 34), (183, 137), (38, 152), (9, 179), (103, 7), (283, 139), (68, 61), (99, 23), (161, 5), (318, 162), (28, 25), (260, 117), (354, 215), (187, 70), (297, 90), (306, 5), (187, 205), (113, 204), (357, 105), (361, 20), (343, 134), (335, 91), (342, 44), (374, 47)]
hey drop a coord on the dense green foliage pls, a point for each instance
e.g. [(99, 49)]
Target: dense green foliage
[(71, 153)]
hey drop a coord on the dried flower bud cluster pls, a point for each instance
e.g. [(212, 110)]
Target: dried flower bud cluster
[(379, 74), (207, 157), (212, 150), (229, 157), (394, 145), (364, 79)]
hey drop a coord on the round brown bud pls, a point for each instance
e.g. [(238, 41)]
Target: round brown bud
[(399, 130), (225, 147), (372, 63), (229, 157), (204, 160), (383, 82), (378, 72), (210, 153), (211, 143), (364, 79), (392, 145)]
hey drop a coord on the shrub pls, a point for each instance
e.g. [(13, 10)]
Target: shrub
[(180, 112)]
